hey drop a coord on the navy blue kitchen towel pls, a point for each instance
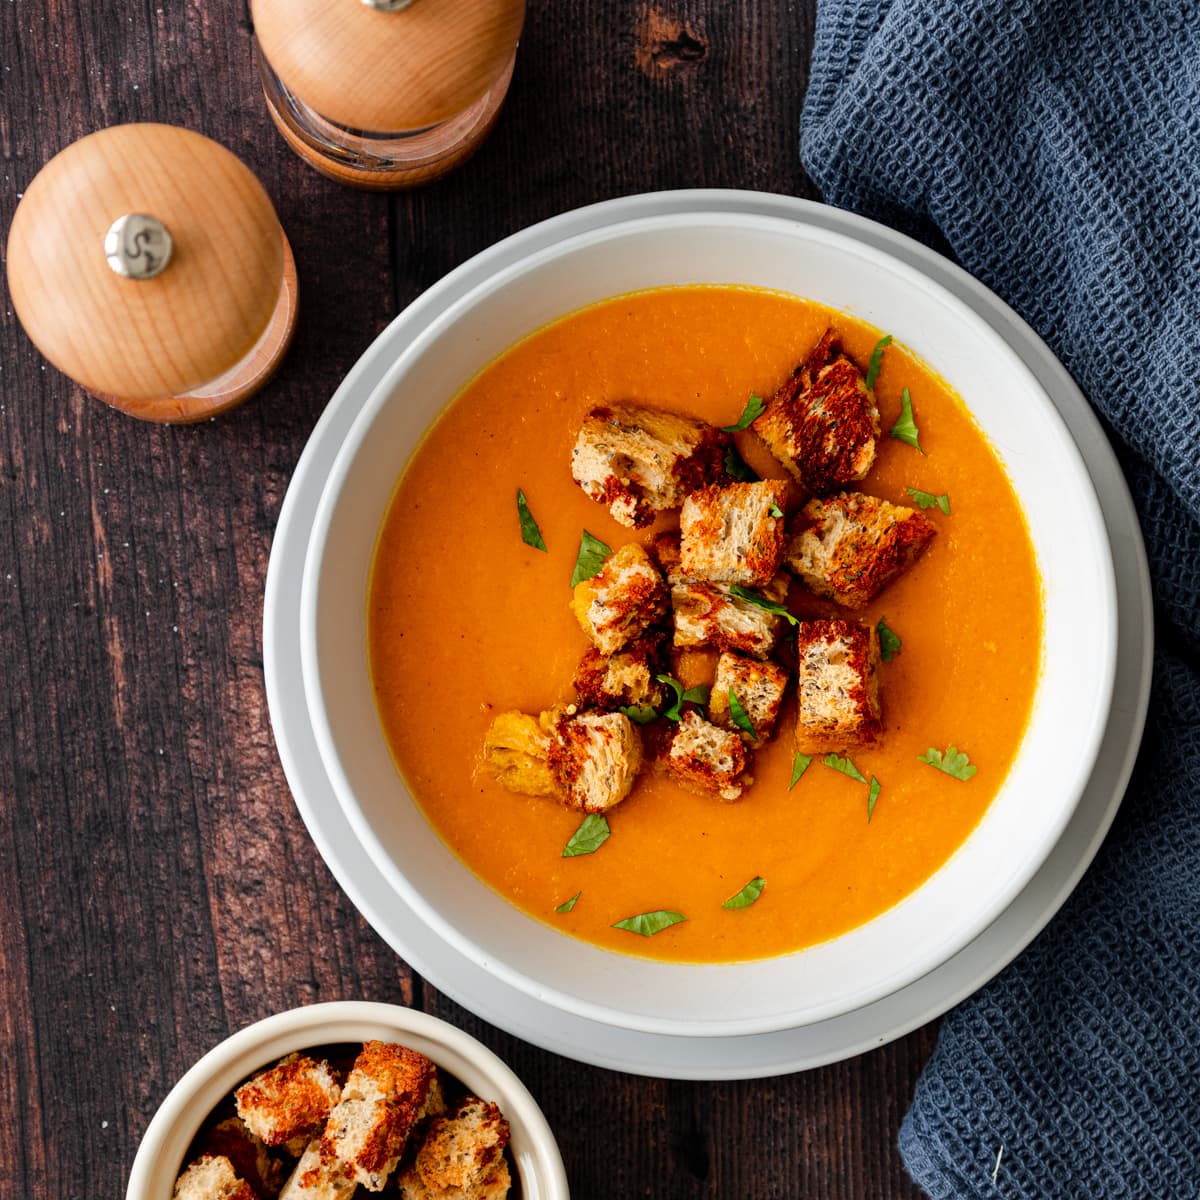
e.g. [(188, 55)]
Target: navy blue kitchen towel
[(1052, 147)]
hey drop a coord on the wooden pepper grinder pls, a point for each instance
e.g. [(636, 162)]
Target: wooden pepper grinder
[(146, 262), (386, 93)]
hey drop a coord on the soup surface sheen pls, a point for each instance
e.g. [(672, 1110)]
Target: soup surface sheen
[(467, 621)]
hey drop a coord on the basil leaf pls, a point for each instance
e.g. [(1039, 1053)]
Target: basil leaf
[(695, 695), (531, 535), (649, 923), (834, 763), (800, 764), (872, 796), (567, 905), (760, 601), (640, 714), (740, 717), (954, 762), (589, 563), (751, 412), (905, 428), (889, 642), (592, 833), (877, 359), (747, 895), (928, 499), (736, 466)]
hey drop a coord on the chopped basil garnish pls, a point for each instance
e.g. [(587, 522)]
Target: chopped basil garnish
[(889, 642), (649, 923), (872, 796), (695, 695), (592, 833), (751, 412), (760, 601), (928, 499), (567, 905), (736, 466), (953, 762), (877, 359), (640, 714), (776, 511), (592, 553), (531, 535), (834, 763), (905, 428), (740, 717), (747, 895), (800, 764)]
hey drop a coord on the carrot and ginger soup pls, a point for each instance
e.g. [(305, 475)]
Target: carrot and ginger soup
[(467, 621)]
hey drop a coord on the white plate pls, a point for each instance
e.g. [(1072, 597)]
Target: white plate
[(590, 1040)]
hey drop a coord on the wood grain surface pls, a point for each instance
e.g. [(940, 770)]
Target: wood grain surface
[(157, 886)]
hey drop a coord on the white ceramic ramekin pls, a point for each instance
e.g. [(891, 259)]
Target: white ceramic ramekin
[(160, 1157)]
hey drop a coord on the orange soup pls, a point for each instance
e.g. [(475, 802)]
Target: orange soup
[(467, 621)]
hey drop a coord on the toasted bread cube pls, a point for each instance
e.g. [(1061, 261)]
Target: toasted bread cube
[(622, 601), (731, 535), (707, 759), (822, 424), (759, 688), (640, 461), (251, 1158), (594, 757), (212, 1177), (516, 750), (462, 1155), (627, 678), (709, 614), (287, 1104), (316, 1178), (837, 678), (850, 547), (388, 1091)]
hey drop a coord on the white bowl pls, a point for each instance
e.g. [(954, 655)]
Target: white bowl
[(160, 1157), (1070, 708)]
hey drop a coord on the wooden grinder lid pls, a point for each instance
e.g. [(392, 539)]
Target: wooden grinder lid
[(160, 335), (388, 66)]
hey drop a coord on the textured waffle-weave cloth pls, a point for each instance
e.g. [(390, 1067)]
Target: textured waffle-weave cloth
[(1053, 149)]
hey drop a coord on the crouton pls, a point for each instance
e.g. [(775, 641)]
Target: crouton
[(389, 1089), (622, 601), (516, 749), (837, 686), (250, 1157), (822, 424), (212, 1177), (587, 761), (317, 1179), (707, 759), (461, 1157), (850, 547), (287, 1104), (733, 534), (640, 461), (594, 757), (709, 614), (759, 688), (626, 678)]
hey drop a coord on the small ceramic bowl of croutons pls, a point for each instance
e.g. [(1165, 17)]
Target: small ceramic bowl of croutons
[(337, 1101)]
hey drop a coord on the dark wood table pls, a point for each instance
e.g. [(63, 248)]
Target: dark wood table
[(157, 886)]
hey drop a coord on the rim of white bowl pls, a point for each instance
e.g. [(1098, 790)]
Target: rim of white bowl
[(213, 1077), (933, 950)]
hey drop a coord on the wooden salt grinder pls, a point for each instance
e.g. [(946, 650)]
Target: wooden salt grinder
[(146, 262), (386, 94)]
